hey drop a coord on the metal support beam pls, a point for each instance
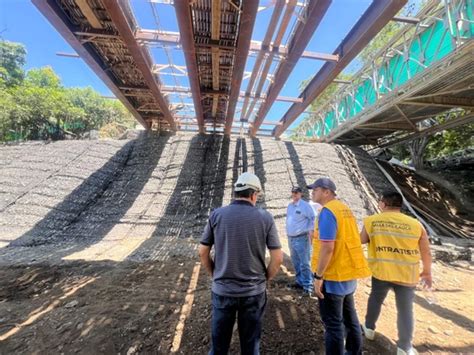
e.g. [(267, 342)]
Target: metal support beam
[(173, 39), (456, 122), (215, 54), (141, 57), (442, 101), (266, 42), (61, 23), (138, 91), (97, 34), (368, 26), (290, 5), (89, 13), (406, 19), (406, 118), (315, 11), (70, 55), (183, 14), (247, 21), (268, 61), (339, 81)]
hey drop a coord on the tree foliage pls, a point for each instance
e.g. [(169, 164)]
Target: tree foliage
[(35, 104), (12, 60), (449, 141)]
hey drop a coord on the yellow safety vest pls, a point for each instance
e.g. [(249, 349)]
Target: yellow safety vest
[(394, 252), (348, 261)]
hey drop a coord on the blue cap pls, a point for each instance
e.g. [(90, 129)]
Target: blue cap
[(325, 183)]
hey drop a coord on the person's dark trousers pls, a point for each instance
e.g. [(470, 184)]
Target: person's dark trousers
[(404, 296), (340, 320), (249, 312)]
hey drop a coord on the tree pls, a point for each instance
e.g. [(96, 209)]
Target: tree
[(44, 78), (12, 60), (417, 150), (36, 105), (449, 141), (40, 105)]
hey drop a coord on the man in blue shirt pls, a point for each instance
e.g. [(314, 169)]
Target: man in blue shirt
[(338, 262), (299, 228)]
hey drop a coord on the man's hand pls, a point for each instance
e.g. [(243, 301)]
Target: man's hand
[(425, 258), (276, 258), (206, 260), (427, 279), (318, 288)]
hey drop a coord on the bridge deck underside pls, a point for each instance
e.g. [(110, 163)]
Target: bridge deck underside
[(446, 86), (102, 38)]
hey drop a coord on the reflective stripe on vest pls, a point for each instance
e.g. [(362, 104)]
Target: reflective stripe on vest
[(399, 235), (348, 261), (394, 253)]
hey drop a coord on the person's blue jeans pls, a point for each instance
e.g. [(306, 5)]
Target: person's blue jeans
[(300, 256), (340, 320), (249, 312), (404, 296)]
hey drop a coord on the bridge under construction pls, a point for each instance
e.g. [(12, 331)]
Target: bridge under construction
[(425, 70), (99, 238)]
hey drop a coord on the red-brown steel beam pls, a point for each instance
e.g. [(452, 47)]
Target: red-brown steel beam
[(285, 21), (369, 25), (173, 39), (315, 11), (265, 43), (140, 55), (56, 17), (183, 14), (247, 21)]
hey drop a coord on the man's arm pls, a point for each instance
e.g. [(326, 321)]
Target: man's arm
[(276, 258), (325, 255), (311, 219), (206, 260), (364, 236), (425, 252)]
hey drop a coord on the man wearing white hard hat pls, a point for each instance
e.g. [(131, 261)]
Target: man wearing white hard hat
[(240, 234)]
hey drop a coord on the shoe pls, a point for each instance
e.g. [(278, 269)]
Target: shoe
[(412, 351), (308, 294), (368, 333), (294, 286)]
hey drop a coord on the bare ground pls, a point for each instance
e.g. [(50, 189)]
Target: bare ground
[(129, 308), (98, 248)]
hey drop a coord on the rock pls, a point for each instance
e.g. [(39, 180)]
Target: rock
[(132, 350), (449, 332), (433, 329), (80, 326), (71, 304)]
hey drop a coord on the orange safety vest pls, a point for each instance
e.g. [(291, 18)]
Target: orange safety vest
[(348, 261), (394, 252)]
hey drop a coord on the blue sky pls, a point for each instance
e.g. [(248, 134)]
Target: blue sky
[(20, 21)]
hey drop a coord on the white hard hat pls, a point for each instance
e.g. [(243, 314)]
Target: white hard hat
[(248, 181)]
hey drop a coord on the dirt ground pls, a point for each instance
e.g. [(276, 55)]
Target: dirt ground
[(157, 307), (98, 247)]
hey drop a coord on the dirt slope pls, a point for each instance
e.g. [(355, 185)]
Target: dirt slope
[(100, 238)]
